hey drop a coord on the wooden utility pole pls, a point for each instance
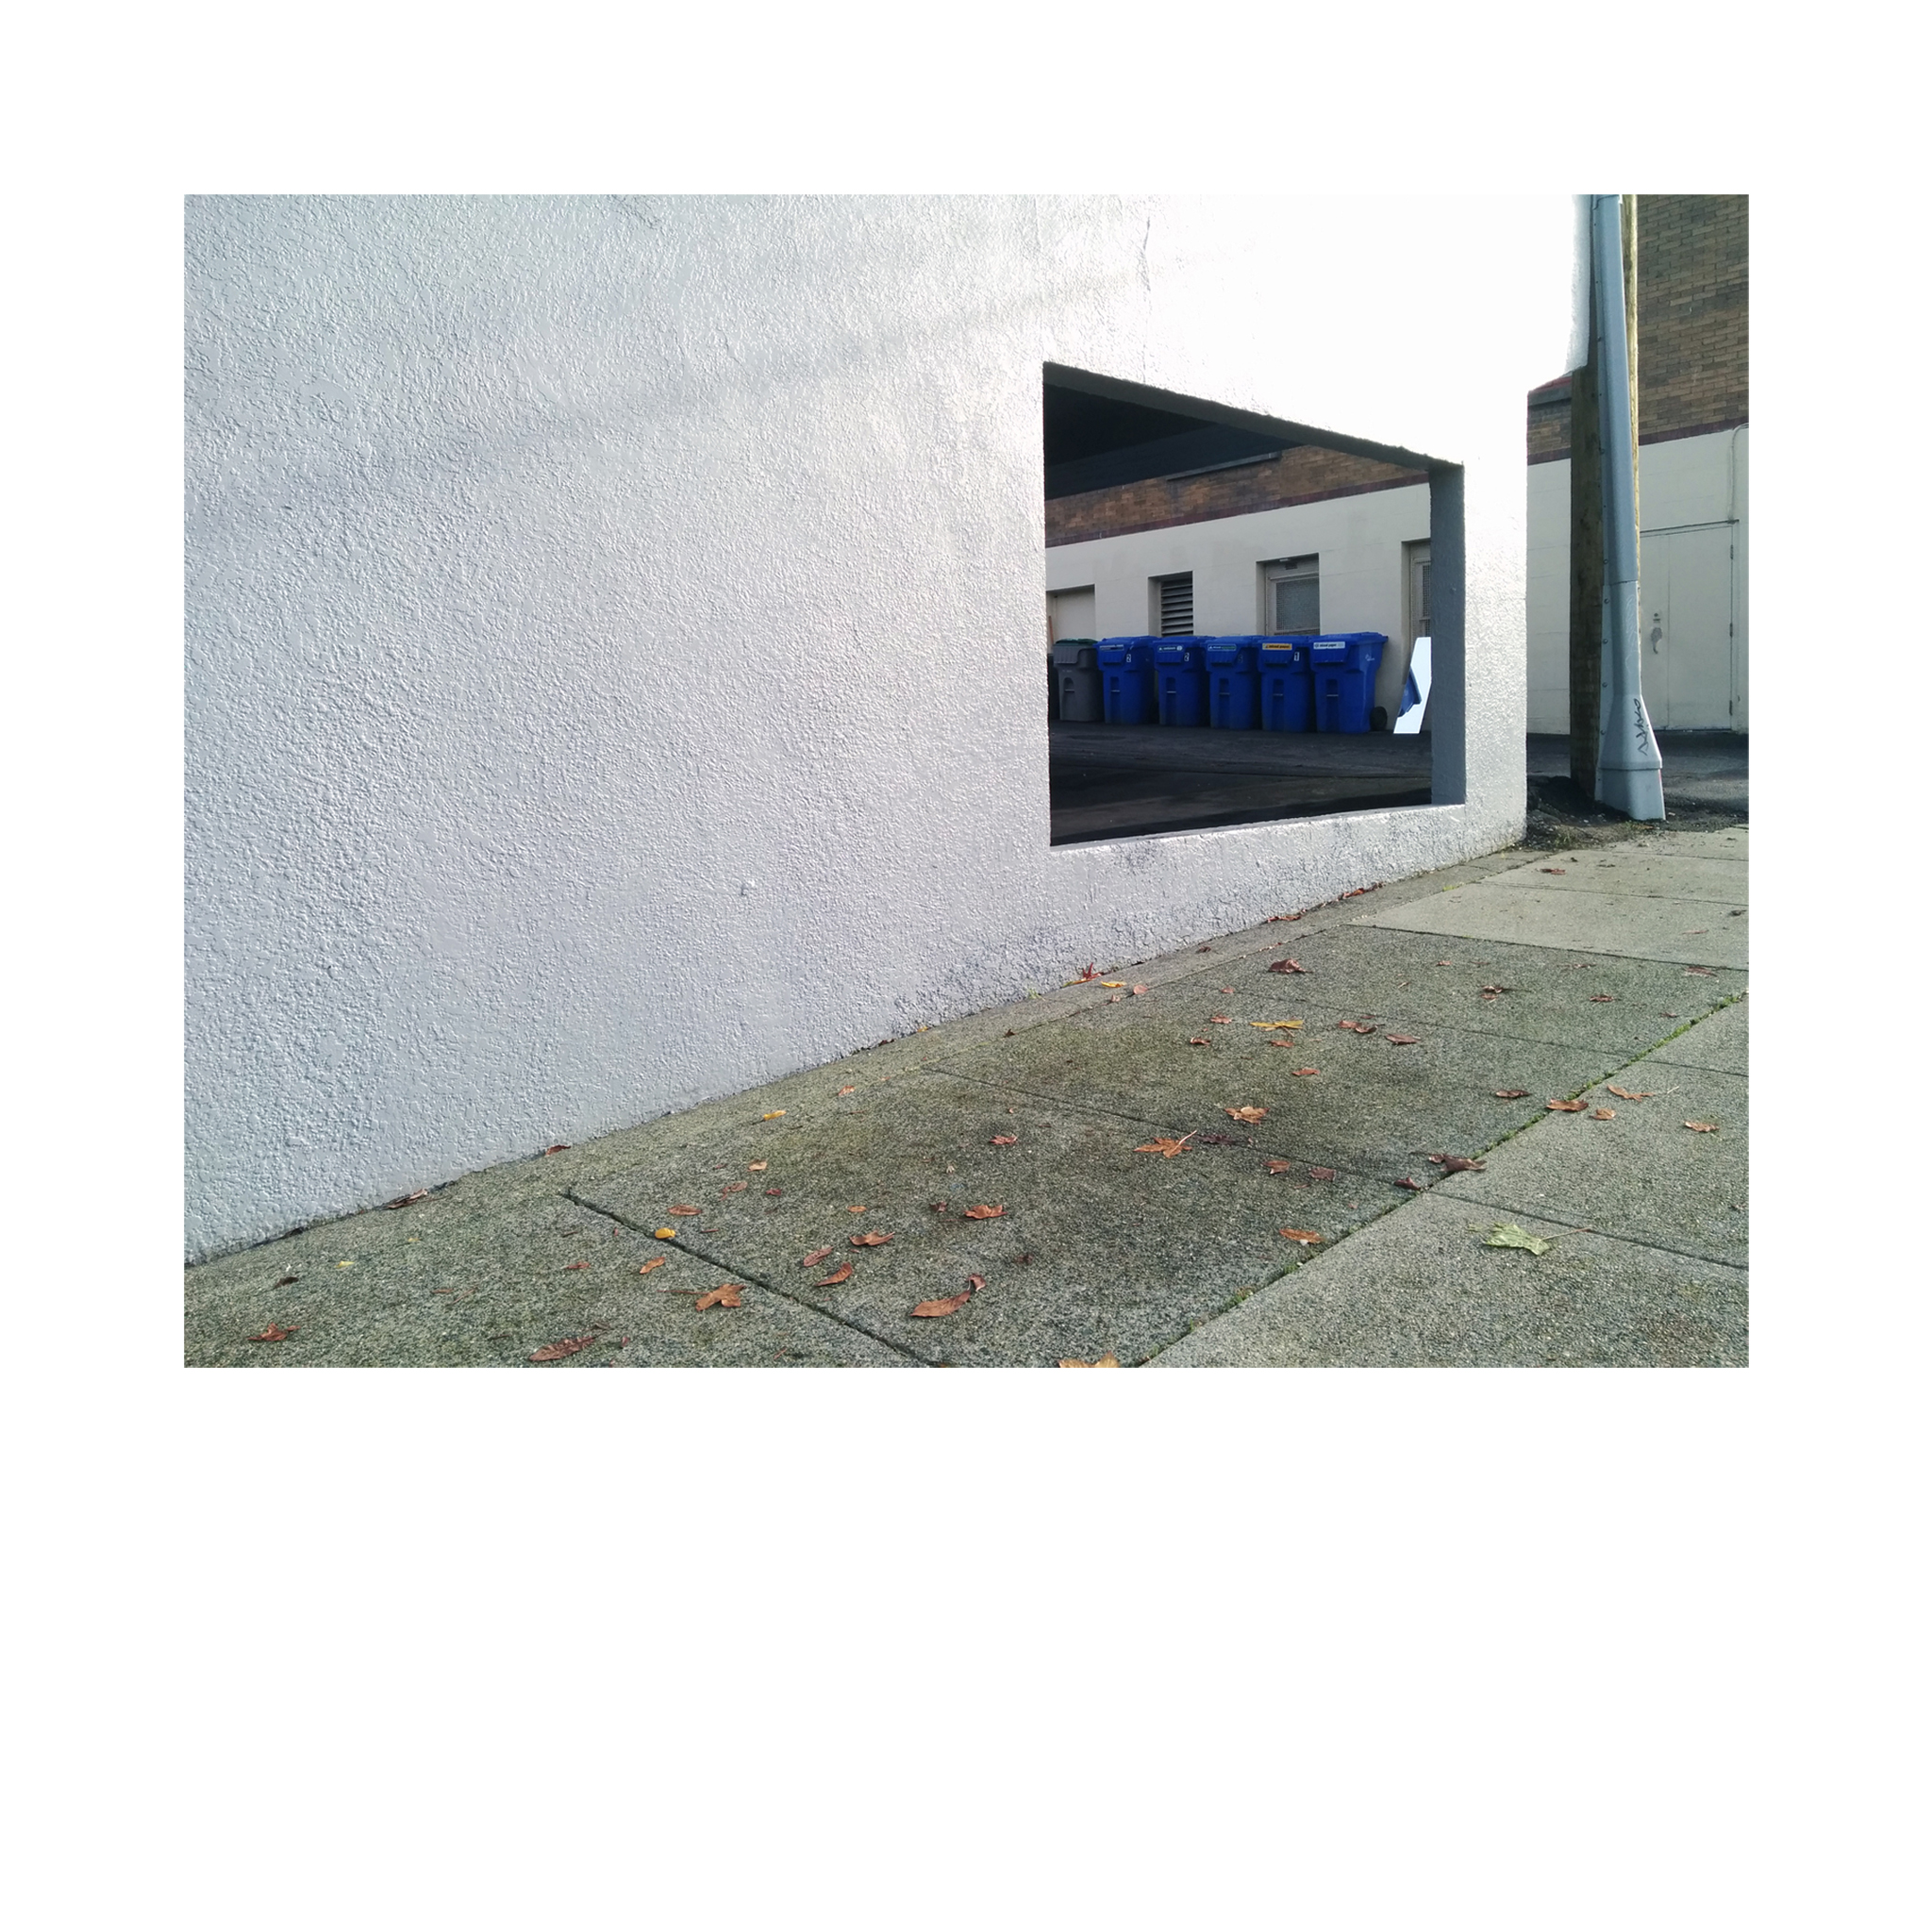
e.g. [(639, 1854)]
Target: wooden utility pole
[(1587, 522)]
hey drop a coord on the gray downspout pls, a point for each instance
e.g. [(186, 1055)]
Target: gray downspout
[(1629, 769)]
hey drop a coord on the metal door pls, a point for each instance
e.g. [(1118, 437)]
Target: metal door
[(1684, 626)]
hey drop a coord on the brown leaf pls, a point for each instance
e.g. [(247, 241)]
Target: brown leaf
[(1457, 1163), (1626, 1093), (874, 1240), (817, 1254), (1558, 870), (1197, 1041), (1307, 1237), (555, 1351), (847, 1089), (656, 1261), (860, 1209), (1288, 966), (984, 1214), (404, 1200), (758, 1166), (1488, 989), (1402, 1040), (1512, 1092), (1006, 1140), (947, 1305), (561, 1147), (570, 1266), (1301, 1072), (1218, 1020), (1090, 971), (1281, 918), (1139, 989), (1165, 1147), (1203, 949), (842, 1273), (288, 1281), (725, 1297), (733, 1188), (274, 1332), (683, 1208), (1605, 1113), (1250, 1114), (1105, 1361), (1564, 1106), (1281, 1167), (1413, 1187), (1698, 971), (1602, 999), (1275, 1026), (1354, 1026), (775, 1190), (1321, 1173), (1702, 1127)]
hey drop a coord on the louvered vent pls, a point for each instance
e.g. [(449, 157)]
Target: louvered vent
[(1177, 606)]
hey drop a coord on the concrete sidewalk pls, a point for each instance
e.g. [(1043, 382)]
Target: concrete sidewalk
[(1432, 1020)]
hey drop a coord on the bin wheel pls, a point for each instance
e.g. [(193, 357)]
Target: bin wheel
[(1378, 719)]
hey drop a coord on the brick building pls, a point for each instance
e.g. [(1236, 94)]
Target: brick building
[(1240, 526)]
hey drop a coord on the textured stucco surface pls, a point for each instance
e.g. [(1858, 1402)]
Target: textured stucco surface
[(614, 632)]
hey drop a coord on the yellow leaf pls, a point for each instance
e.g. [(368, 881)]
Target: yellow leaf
[(1114, 982), (346, 1264), (667, 1234), (777, 1113), (1269, 1025)]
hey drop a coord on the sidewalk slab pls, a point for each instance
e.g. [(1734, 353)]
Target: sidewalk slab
[(1641, 1176), (459, 1282), (1636, 875), (1722, 1043), (1122, 1251), (1691, 932), (1419, 1289)]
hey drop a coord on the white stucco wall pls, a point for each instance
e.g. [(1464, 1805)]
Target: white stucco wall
[(614, 632), (1689, 483), (1358, 540)]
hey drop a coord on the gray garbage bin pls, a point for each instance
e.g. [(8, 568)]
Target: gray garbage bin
[(1076, 678)]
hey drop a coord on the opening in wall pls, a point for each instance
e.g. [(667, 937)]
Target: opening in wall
[(1231, 606)]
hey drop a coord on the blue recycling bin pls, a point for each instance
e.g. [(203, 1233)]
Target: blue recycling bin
[(1128, 695), (1286, 692), (1233, 684), (1180, 680), (1342, 667)]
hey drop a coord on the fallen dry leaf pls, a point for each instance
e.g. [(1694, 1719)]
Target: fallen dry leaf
[(682, 1207), (778, 1113), (1352, 1027), (1402, 1040), (1091, 971), (561, 1147), (860, 1209), (733, 1188), (1559, 869), (874, 1240), (665, 1234), (947, 1305), (1702, 1127), (1307, 1236), (1628, 1093), (1303, 1073), (983, 1213), (1138, 988), (1250, 1114), (1166, 1148), (570, 1266), (775, 1190), (725, 1297), (758, 1166), (1564, 1106), (656, 1261), (1457, 1163), (1218, 1020), (817, 1254), (1288, 966), (288, 1281), (1604, 1114), (1321, 1173), (1506, 1234), (1114, 982), (274, 1332), (1698, 971), (1105, 1361), (1281, 1167), (1275, 1026), (1490, 991), (847, 1089), (1512, 1092), (555, 1351), (1413, 1187), (1006, 1140), (1203, 949), (1602, 999), (404, 1200), (842, 1273), (1197, 1041)]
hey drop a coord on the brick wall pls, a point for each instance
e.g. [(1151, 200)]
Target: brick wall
[(1297, 475), (1692, 324)]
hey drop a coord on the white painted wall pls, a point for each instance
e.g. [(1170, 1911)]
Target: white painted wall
[(1358, 539), (1683, 484), (614, 632)]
